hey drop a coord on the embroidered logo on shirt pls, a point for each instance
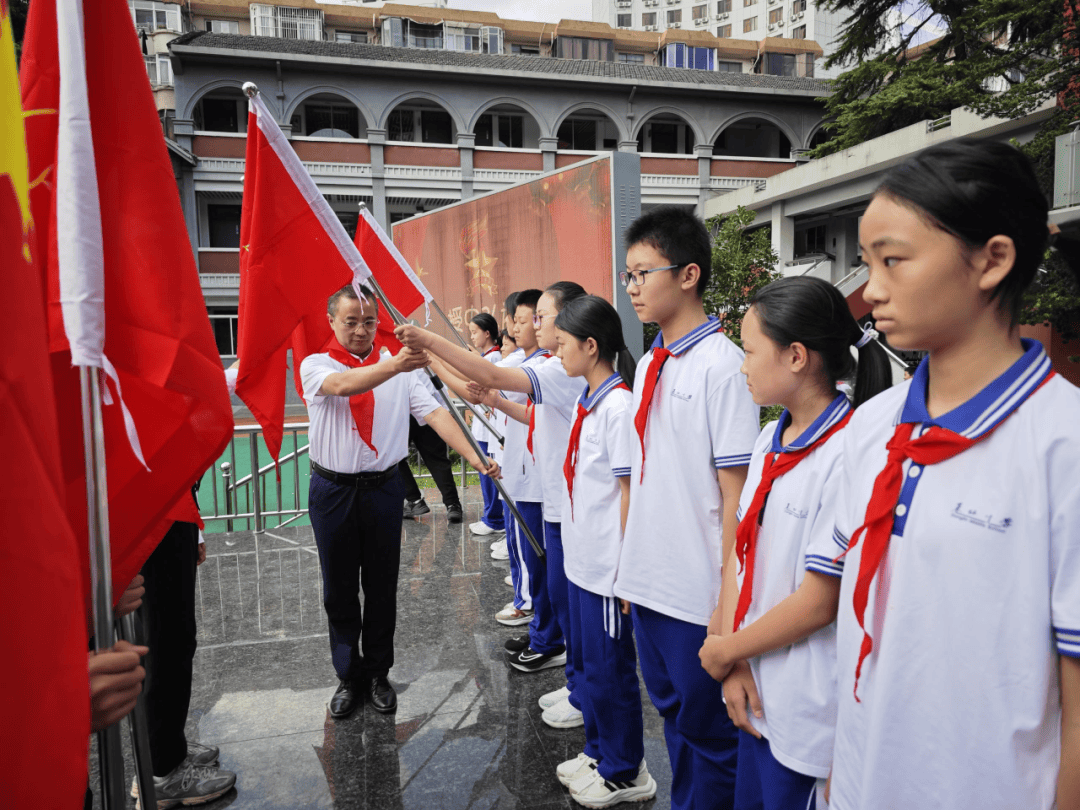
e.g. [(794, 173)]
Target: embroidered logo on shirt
[(592, 438), (675, 392), (983, 521), (795, 512)]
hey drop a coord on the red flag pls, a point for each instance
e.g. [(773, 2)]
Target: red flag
[(398, 281), (42, 598), (294, 254), (157, 332)]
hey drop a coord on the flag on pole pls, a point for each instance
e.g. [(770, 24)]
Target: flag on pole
[(294, 254), (122, 289), (402, 286), (42, 598)]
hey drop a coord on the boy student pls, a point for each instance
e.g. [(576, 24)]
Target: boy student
[(695, 426)]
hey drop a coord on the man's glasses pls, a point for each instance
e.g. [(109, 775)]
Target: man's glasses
[(638, 276)]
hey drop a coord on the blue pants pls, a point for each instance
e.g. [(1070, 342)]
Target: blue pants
[(560, 601), (607, 685), (522, 586), (552, 616), (493, 508), (701, 739), (545, 635), (763, 783), (524, 563), (358, 533)]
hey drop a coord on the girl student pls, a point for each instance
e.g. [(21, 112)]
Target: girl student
[(958, 633), (484, 335), (596, 495), (509, 345), (798, 336)]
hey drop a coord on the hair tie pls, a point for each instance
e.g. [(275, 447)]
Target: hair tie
[(868, 333)]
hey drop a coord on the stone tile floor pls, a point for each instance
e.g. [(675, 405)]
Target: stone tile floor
[(467, 732)]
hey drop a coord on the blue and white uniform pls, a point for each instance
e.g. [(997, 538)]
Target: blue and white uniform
[(702, 419), (977, 596), (492, 516)]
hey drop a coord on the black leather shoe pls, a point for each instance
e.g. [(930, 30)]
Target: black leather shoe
[(344, 701), (383, 696), (453, 513)]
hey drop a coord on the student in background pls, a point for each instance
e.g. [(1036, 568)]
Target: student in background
[(797, 336), (484, 334)]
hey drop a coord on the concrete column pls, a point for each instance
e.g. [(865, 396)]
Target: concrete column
[(783, 235), (183, 130), (466, 144), (627, 146), (704, 169), (376, 141), (847, 247), (549, 146), (186, 187)]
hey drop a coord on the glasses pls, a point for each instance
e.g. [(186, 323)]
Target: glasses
[(638, 276), (368, 325), (538, 320)]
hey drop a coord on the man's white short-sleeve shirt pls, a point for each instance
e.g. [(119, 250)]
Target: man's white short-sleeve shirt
[(978, 595), (335, 443), (592, 530), (797, 683), (555, 396), (702, 419)]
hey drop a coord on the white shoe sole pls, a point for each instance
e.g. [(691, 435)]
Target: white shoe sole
[(554, 661), (483, 531), (516, 621), (553, 698), (634, 794), (581, 768), (575, 720), (497, 556)]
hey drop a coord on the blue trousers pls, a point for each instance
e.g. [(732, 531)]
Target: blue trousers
[(358, 533), (492, 516), (607, 685), (702, 742), (545, 635), (520, 577), (762, 783), (560, 602)]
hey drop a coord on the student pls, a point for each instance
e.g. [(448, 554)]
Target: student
[(596, 495), (798, 336), (508, 344), (484, 334), (695, 426), (958, 633), (513, 356)]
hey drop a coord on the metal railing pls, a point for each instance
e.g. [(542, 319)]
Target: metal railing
[(264, 500)]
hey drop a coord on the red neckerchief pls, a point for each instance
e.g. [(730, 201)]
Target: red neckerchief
[(361, 405), (776, 464), (489, 351), (532, 409), (570, 465), (935, 445)]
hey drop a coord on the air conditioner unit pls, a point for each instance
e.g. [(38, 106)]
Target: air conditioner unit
[(675, 25), (650, 27), (701, 21), (794, 17)]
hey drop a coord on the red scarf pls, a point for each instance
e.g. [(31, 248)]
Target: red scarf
[(361, 405), (570, 465), (935, 445), (776, 464), (532, 409)]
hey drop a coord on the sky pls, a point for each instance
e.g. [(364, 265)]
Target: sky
[(545, 11)]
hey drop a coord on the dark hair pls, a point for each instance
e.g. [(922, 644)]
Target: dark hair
[(678, 236), (590, 316), (526, 298), (486, 322), (811, 311), (348, 292), (564, 291), (975, 190), (505, 336), (510, 305)]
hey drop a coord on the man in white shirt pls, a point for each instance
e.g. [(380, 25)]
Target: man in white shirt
[(359, 402)]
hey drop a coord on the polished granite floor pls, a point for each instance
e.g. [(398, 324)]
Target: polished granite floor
[(467, 732)]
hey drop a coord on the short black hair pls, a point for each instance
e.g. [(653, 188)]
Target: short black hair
[(348, 291), (486, 322), (526, 298), (677, 235)]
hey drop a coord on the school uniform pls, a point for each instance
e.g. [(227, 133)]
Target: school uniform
[(601, 637), (701, 419), (492, 516), (555, 396), (355, 504), (957, 704), (797, 683)]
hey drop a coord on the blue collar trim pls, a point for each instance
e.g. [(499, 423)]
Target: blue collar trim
[(835, 412), (591, 401), (542, 352), (988, 408), (691, 338)]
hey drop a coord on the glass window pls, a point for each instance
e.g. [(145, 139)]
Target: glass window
[(749, 24), (636, 58), (699, 12), (674, 16), (164, 69), (680, 55), (461, 38), (723, 31), (648, 18), (779, 64), (585, 48), (223, 224), (436, 127), (331, 121), (286, 22), (579, 133), (798, 6), (223, 26), (224, 321), (150, 15), (624, 20), (351, 36), (151, 68), (723, 6), (799, 32), (423, 36), (729, 67), (748, 3), (218, 115), (776, 15), (524, 50), (506, 126), (401, 125)]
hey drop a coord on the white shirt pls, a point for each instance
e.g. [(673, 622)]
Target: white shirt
[(499, 419), (479, 432), (797, 683), (978, 594), (335, 442), (702, 419), (555, 395), (521, 477), (592, 530)]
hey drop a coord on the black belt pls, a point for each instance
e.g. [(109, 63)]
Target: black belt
[(362, 480)]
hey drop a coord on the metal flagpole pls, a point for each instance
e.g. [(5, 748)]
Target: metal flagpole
[(110, 753), (139, 730), (399, 319)]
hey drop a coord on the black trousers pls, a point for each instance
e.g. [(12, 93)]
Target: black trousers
[(432, 450), (168, 620), (358, 533)]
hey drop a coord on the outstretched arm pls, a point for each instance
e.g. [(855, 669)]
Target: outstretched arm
[(447, 428), (1068, 787), (469, 364), (361, 380)]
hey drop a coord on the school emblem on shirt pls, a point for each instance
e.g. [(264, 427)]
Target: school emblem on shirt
[(675, 392), (980, 519), (796, 512)]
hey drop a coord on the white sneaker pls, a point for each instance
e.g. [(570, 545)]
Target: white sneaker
[(551, 698), (482, 528), (596, 791), (509, 580), (563, 715), (500, 543), (574, 769), (500, 552)]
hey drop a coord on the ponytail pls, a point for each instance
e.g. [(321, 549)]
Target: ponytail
[(590, 316), (873, 373)]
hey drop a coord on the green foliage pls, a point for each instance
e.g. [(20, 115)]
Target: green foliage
[(742, 262)]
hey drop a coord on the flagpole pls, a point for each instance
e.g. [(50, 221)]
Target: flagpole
[(399, 319), (139, 730), (110, 752)]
